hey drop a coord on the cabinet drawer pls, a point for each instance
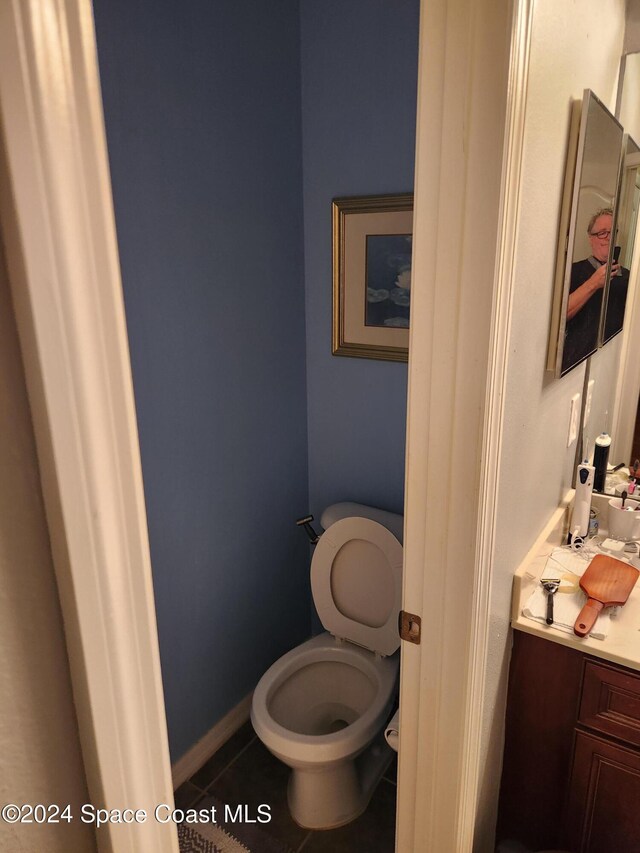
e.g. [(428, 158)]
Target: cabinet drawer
[(611, 701)]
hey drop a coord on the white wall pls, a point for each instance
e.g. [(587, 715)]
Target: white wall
[(630, 103), (41, 761), (574, 46)]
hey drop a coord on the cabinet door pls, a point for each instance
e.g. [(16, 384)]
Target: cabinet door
[(544, 691), (603, 814)]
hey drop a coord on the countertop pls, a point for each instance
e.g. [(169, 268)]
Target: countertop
[(622, 643)]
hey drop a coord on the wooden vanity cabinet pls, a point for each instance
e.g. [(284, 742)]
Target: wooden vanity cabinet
[(571, 769)]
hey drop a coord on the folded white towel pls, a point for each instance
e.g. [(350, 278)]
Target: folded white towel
[(566, 606), (392, 732)]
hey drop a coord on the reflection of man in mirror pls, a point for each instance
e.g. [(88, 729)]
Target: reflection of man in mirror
[(586, 288)]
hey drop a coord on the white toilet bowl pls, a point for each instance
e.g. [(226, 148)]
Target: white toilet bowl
[(322, 707)]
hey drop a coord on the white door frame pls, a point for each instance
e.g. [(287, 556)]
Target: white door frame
[(64, 268), (472, 85), (59, 232)]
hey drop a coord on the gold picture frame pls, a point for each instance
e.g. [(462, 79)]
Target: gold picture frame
[(372, 239)]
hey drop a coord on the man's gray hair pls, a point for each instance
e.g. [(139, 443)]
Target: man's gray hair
[(606, 211)]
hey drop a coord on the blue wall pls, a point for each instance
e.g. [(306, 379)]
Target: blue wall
[(202, 105), (203, 112), (359, 76)]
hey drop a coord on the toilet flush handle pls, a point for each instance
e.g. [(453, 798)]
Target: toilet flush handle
[(306, 523)]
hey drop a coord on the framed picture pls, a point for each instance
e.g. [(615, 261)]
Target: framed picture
[(372, 237)]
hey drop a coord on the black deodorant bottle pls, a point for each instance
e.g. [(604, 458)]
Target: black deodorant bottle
[(600, 460)]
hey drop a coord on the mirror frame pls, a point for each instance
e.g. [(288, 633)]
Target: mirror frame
[(580, 135)]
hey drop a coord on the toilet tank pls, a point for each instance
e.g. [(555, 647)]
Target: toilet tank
[(391, 520)]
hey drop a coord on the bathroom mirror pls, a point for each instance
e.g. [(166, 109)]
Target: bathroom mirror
[(613, 373), (625, 231), (585, 248), (605, 366), (615, 407)]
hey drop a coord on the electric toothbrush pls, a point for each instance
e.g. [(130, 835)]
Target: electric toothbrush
[(582, 501)]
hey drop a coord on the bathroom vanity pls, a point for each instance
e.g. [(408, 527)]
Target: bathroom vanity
[(571, 771)]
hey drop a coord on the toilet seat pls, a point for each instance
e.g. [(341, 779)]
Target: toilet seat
[(356, 580), (298, 749)]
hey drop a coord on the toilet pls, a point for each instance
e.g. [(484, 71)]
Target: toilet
[(322, 708)]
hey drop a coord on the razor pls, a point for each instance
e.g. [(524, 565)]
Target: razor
[(550, 587)]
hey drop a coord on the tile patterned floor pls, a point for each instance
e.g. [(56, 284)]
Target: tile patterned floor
[(244, 771)]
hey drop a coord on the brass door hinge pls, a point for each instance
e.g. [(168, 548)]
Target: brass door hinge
[(410, 627)]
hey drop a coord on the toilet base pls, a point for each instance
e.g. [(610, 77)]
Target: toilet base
[(328, 797)]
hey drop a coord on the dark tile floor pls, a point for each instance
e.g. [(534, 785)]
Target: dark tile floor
[(244, 771)]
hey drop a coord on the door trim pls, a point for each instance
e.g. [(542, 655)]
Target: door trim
[(472, 87), (58, 227)]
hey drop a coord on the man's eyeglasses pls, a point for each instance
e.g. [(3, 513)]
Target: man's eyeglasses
[(601, 235)]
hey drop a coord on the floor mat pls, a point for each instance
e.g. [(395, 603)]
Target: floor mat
[(221, 837)]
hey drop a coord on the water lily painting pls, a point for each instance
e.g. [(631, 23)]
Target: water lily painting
[(388, 280), (372, 238)]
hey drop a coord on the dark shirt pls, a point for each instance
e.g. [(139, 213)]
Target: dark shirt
[(581, 332)]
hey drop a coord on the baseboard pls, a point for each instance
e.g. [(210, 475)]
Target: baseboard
[(201, 752)]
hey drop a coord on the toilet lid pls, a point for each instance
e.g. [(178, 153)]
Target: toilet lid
[(356, 580)]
